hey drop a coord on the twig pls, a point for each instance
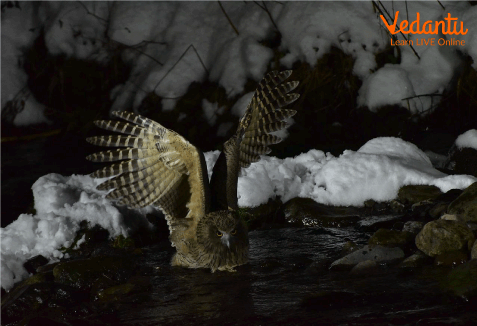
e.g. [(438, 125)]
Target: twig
[(268, 13), (228, 18), (90, 13), (180, 58), (389, 16), (441, 5)]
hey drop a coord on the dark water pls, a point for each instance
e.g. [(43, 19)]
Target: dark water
[(288, 281)]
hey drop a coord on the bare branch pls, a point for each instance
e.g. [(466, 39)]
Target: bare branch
[(228, 18)]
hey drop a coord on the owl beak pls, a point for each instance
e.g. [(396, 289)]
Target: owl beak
[(226, 240)]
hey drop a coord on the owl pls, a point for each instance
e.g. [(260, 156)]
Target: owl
[(159, 167)]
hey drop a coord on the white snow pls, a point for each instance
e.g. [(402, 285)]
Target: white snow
[(376, 171), (467, 139), (61, 203), (172, 44)]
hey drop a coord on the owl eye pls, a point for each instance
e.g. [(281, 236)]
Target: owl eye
[(234, 232), (219, 234)]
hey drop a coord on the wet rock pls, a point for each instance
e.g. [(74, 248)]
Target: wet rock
[(413, 227), (462, 280), (451, 258), (439, 236), (397, 207), (349, 247), (449, 217), (473, 253), (307, 212), (466, 204), (391, 238), (32, 264), (412, 194), (114, 293), (83, 273), (415, 260), (438, 210), (374, 223), (378, 254), (364, 267)]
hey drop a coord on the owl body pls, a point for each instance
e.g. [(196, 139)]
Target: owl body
[(159, 167)]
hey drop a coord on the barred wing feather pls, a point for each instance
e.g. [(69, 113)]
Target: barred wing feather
[(158, 166)]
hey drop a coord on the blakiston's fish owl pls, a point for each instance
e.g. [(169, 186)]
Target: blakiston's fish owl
[(160, 167)]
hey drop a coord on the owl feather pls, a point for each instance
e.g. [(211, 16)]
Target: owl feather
[(156, 166)]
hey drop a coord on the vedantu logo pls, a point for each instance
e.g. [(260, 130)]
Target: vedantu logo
[(447, 27)]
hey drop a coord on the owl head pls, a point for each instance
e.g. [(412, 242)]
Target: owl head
[(223, 236)]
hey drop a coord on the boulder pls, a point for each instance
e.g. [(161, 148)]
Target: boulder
[(378, 254), (439, 236), (391, 238), (412, 194), (466, 204), (413, 227)]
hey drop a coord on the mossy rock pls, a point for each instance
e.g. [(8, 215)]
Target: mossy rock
[(462, 280), (307, 212), (412, 194), (114, 293), (466, 204), (391, 238), (439, 236), (83, 273)]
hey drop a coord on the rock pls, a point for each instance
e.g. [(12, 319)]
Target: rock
[(473, 253), (437, 210), (466, 204), (451, 258), (364, 267), (449, 217), (439, 236), (397, 207), (32, 264), (378, 254), (412, 194), (391, 238), (307, 212), (462, 280), (83, 273), (413, 227), (415, 260), (115, 292), (349, 247)]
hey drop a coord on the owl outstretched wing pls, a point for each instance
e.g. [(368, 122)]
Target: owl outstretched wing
[(158, 166), (263, 116)]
